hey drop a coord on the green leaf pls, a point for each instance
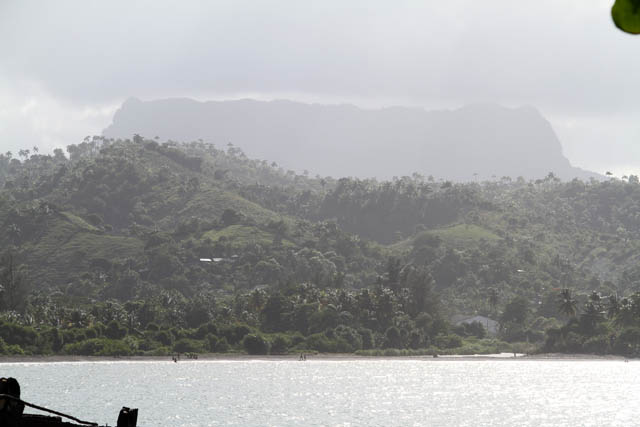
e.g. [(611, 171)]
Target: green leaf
[(626, 15)]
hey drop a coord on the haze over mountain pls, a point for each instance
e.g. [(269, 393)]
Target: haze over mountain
[(474, 142)]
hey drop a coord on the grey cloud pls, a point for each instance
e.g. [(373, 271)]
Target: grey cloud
[(563, 56), (549, 53)]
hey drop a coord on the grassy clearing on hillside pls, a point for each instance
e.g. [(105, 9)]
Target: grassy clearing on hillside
[(213, 202), (456, 235), (71, 233), (102, 246), (67, 249), (459, 235), (78, 222)]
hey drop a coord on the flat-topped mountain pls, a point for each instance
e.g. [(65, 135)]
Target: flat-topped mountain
[(473, 142)]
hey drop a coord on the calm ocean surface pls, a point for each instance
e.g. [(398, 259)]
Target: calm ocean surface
[(366, 392)]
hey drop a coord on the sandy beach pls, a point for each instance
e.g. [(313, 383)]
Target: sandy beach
[(310, 357)]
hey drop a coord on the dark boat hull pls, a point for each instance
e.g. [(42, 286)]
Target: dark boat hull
[(12, 411), (31, 420)]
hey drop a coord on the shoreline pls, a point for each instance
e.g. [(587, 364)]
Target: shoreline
[(345, 357)]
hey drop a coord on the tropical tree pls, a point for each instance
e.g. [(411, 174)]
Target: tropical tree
[(493, 299), (595, 297), (591, 317), (255, 344), (613, 307), (567, 305), (13, 286), (516, 311), (624, 315)]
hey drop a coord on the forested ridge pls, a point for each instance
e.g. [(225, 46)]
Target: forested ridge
[(137, 246)]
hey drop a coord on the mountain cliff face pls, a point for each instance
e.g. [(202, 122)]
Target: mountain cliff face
[(473, 142)]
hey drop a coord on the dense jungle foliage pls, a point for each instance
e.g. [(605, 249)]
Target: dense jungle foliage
[(141, 247)]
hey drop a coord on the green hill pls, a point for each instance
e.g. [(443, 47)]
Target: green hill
[(124, 230)]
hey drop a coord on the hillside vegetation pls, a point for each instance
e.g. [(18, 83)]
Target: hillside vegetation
[(142, 247)]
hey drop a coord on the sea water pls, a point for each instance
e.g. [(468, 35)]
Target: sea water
[(360, 392)]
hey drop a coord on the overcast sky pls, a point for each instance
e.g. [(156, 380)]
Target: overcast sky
[(65, 66)]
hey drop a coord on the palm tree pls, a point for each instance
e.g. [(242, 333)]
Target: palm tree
[(493, 299), (596, 299), (613, 307), (625, 315), (591, 315), (567, 305), (14, 231)]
